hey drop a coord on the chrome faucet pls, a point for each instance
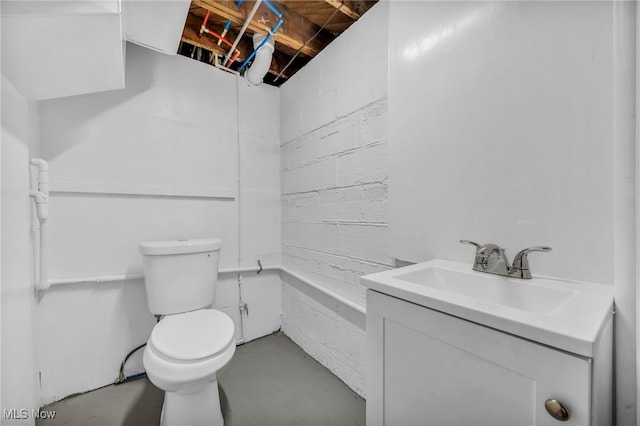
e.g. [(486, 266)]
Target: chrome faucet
[(491, 258)]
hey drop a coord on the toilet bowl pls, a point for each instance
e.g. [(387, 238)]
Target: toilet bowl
[(184, 357)]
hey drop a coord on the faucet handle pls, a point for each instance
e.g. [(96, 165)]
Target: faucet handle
[(481, 259), (470, 242), (486, 249), (489, 258), (480, 262), (520, 266)]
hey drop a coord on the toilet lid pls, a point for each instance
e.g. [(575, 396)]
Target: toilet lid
[(193, 335)]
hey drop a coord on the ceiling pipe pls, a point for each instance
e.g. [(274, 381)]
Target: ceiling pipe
[(276, 11), (242, 30), (220, 37), (224, 32), (264, 48), (265, 41), (260, 67), (41, 198)]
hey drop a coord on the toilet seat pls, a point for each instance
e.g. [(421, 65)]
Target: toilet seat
[(192, 336)]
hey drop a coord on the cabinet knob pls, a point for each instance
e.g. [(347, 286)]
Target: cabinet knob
[(556, 410)]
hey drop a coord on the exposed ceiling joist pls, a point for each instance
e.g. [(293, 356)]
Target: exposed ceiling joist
[(295, 31), (344, 8), (191, 35), (308, 26)]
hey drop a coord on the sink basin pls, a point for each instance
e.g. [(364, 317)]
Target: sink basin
[(540, 295), (565, 314)]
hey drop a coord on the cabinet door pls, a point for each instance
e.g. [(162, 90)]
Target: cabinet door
[(430, 368)]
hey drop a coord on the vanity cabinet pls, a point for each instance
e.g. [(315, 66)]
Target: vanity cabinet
[(426, 367)]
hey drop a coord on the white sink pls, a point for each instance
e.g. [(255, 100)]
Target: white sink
[(565, 314), (539, 295)]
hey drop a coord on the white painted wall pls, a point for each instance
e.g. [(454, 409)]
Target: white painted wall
[(508, 136), (334, 192), (157, 160), (18, 373), (625, 212), (167, 128), (260, 227), (259, 112), (636, 285)]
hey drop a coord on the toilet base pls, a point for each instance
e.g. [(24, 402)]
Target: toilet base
[(194, 409)]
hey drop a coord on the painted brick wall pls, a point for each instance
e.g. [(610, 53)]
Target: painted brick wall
[(334, 189), (334, 192)]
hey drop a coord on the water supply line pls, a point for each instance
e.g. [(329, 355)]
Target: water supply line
[(224, 31), (243, 29), (221, 37), (41, 199), (273, 9), (121, 377)]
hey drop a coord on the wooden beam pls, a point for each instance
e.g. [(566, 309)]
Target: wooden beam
[(344, 8), (294, 32), (191, 35)]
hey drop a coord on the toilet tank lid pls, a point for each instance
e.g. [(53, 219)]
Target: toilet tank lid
[(155, 248)]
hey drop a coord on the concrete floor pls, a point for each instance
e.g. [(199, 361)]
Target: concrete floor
[(270, 381)]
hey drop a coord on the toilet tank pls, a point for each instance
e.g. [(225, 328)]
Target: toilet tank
[(180, 275)]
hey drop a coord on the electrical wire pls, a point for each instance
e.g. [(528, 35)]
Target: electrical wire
[(309, 41)]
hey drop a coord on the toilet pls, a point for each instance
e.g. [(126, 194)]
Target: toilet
[(193, 342)]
